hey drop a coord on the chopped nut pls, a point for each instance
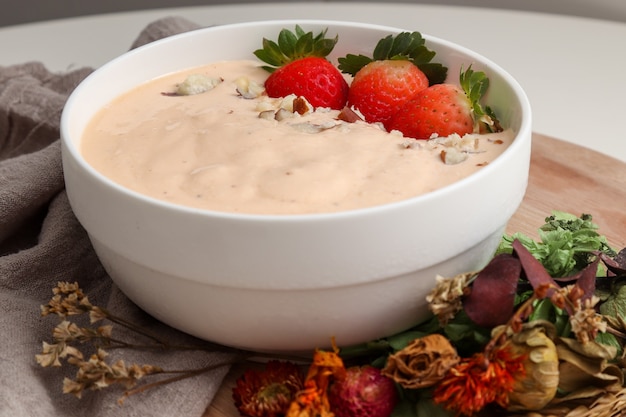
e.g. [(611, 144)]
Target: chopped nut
[(301, 105), (265, 105), (197, 84), (452, 156), (283, 114), (267, 115), (347, 114), (248, 89), (287, 102), (313, 128), (407, 144), (467, 143)]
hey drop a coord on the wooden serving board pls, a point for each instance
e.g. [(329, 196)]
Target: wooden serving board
[(564, 177)]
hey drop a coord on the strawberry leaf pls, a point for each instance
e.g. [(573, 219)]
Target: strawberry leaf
[(475, 84), (351, 64), (436, 73), (291, 46), (271, 54), (286, 42), (405, 44), (409, 46)]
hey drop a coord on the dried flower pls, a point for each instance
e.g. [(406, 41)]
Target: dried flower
[(445, 299), (96, 374), (269, 392), (586, 322), (312, 401), (539, 384), (482, 379), (422, 363), (608, 404), (52, 353), (96, 314), (584, 367), (68, 300), (365, 391)]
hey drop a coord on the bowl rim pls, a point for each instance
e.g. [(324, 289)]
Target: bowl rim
[(71, 149)]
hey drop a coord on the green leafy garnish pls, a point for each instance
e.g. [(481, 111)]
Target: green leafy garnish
[(407, 46), (475, 84), (566, 243), (291, 46)]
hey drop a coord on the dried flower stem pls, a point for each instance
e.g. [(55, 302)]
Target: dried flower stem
[(514, 323), (93, 371), (182, 375)]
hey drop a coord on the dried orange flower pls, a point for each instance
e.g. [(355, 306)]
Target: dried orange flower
[(268, 392), (422, 363), (312, 401), (482, 379)]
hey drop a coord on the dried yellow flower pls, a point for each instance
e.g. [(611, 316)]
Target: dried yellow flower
[(422, 363), (539, 384)]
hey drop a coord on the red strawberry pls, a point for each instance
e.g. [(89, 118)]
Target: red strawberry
[(313, 78), (298, 66), (400, 67), (381, 87), (444, 109), (364, 392), (441, 110)]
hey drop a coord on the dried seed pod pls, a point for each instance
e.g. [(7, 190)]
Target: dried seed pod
[(538, 387)]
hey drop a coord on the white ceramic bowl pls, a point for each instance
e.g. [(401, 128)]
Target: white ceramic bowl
[(289, 283)]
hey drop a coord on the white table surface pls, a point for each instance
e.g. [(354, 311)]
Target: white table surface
[(571, 68)]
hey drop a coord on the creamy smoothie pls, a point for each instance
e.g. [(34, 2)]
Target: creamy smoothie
[(233, 149)]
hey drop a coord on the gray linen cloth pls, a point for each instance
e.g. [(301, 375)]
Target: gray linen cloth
[(41, 243)]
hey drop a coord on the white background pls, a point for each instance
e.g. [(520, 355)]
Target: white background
[(21, 11)]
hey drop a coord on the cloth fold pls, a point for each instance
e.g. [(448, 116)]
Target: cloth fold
[(42, 243)]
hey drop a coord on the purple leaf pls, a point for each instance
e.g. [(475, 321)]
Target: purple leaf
[(492, 297), (616, 265), (534, 271), (587, 279)]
